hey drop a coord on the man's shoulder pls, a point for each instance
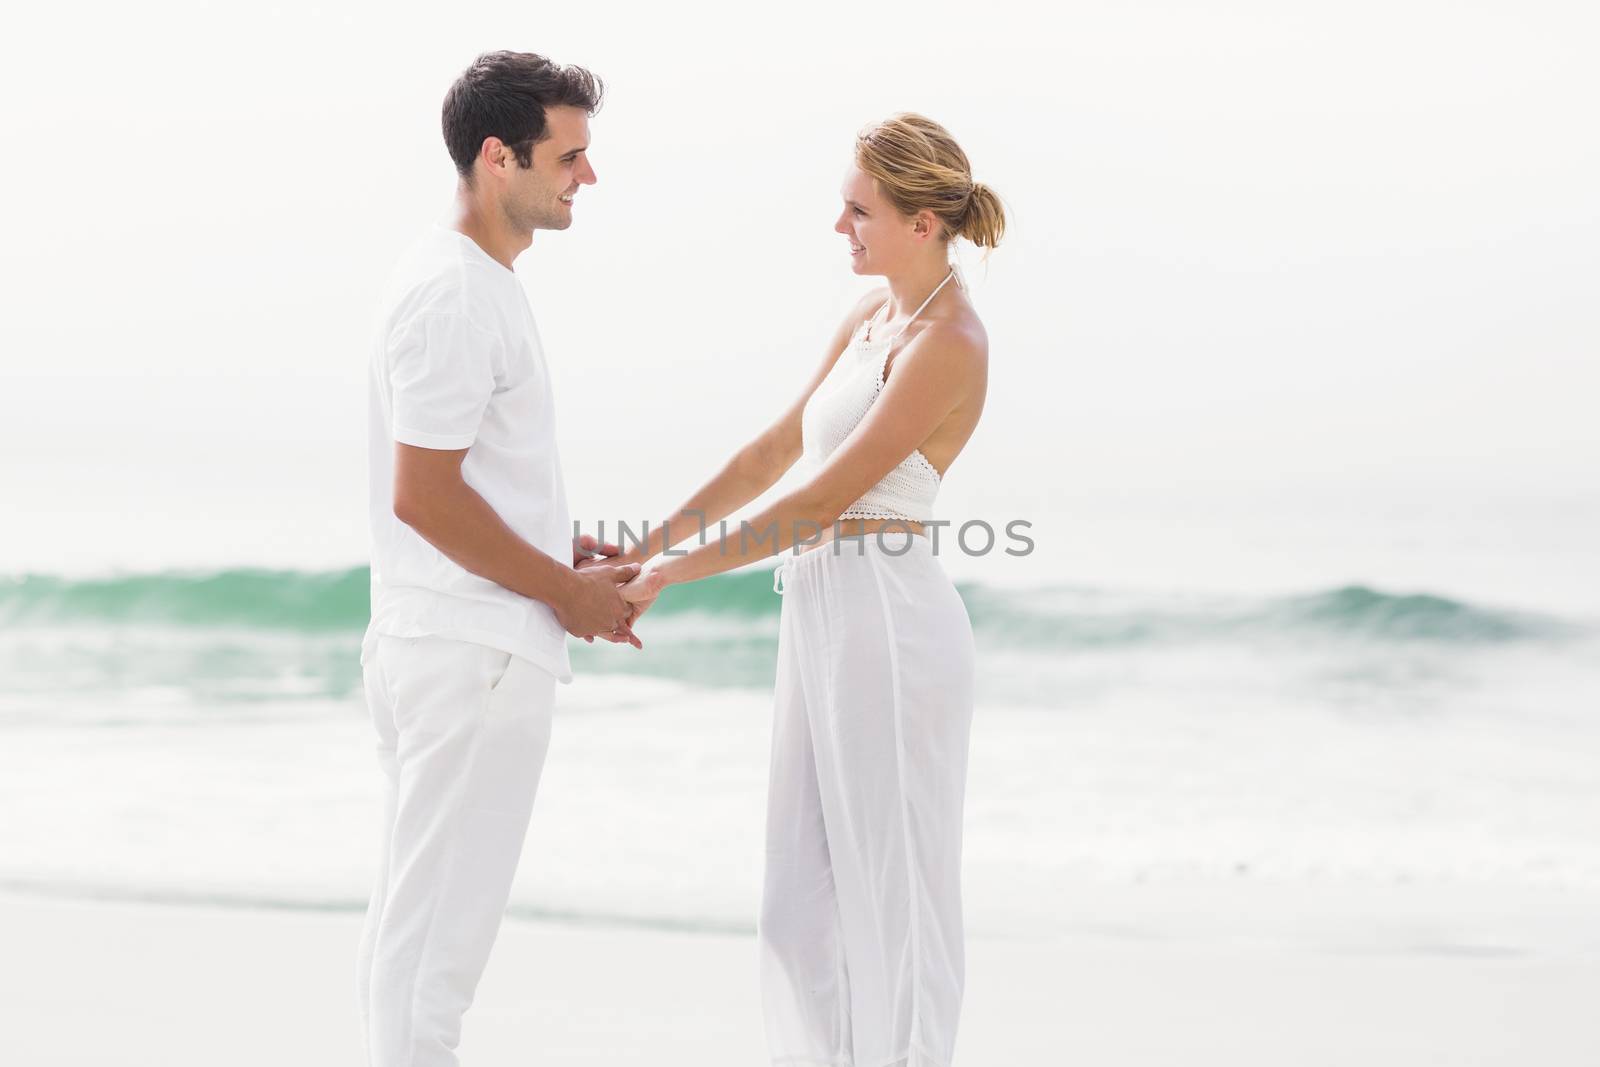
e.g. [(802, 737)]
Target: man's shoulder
[(439, 286)]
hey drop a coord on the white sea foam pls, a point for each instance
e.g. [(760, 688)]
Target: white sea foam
[(1189, 764)]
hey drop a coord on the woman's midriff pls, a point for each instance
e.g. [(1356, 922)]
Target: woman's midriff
[(865, 528)]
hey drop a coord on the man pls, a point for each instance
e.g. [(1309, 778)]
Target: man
[(475, 584)]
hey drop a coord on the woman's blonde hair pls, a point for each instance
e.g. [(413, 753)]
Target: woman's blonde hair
[(920, 167)]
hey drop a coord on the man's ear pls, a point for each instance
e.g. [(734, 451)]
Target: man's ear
[(494, 154)]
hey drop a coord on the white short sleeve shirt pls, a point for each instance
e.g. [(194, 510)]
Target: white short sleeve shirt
[(457, 364)]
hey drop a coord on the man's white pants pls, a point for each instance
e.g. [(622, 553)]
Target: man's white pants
[(862, 954), (462, 734)]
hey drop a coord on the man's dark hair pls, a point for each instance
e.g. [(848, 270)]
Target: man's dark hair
[(504, 95)]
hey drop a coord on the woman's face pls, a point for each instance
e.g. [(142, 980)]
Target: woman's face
[(881, 239)]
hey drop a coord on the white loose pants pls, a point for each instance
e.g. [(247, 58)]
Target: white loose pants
[(462, 733), (861, 944)]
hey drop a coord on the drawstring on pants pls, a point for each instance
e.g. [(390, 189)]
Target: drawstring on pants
[(779, 576)]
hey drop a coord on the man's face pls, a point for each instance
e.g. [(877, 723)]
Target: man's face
[(540, 196)]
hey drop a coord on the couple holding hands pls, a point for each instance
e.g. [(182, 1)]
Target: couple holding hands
[(477, 581)]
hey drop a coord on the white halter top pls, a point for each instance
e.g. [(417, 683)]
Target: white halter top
[(842, 401)]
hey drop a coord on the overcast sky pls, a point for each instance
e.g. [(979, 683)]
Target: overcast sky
[(1256, 250)]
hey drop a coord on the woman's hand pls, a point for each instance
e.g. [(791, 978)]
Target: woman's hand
[(645, 587)]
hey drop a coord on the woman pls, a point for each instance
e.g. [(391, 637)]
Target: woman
[(860, 932)]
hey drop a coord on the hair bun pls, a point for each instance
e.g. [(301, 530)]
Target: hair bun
[(984, 220)]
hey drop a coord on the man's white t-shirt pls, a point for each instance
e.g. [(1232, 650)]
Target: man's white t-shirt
[(457, 364)]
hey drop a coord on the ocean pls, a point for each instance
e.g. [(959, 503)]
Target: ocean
[(201, 736)]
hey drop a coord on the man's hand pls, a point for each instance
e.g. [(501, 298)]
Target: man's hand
[(639, 608), (587, 551), (594, 606)]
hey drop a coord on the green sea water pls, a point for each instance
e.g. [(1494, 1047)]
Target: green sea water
[(245, 634)]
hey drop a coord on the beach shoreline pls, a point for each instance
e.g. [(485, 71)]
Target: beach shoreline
[(124, 982)]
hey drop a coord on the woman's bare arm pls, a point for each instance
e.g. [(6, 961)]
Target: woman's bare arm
[(757, 466), (938, 370)]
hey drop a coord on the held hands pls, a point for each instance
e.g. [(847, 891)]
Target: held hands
[(640, 592), (595, 609), (593, 606), (643, 589), (588, 554)]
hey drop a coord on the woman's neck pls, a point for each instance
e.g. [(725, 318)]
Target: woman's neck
[(908, 290)]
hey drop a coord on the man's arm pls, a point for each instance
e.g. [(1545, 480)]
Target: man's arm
[(432, 497)]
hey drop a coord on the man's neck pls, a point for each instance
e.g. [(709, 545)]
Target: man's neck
[(488, 228)]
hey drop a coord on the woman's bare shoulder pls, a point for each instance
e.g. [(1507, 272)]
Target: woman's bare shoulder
[(960, 337)]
